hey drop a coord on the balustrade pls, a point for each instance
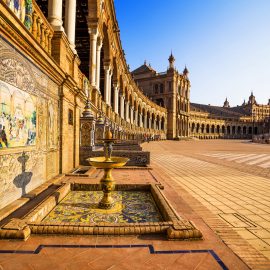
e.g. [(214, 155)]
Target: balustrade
[(41, 29)]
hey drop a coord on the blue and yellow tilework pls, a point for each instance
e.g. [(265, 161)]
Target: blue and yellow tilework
[(82, 206)]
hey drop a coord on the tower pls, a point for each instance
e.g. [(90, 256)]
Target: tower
[(185, 71), (252, 99), (226, 103), (171, 61)]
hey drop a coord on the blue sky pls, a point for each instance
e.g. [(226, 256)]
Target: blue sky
[(224, 43)]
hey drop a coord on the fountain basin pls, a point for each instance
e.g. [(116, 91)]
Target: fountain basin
[(164, 220), (103, 163)]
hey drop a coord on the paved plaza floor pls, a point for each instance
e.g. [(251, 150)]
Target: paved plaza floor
[(231, 179), (223, 187)]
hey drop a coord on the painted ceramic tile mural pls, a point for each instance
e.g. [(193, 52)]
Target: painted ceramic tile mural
[(17, 117), (23, 10)]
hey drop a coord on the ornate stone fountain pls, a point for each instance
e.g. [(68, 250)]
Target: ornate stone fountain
[(107, 163)]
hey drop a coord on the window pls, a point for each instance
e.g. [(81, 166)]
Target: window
[(70, 117), (156, 88), (161, 88)]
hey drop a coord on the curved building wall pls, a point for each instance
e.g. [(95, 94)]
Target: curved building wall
[(44, 89)]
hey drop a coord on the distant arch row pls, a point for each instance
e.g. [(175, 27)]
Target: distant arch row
[(210, 130)]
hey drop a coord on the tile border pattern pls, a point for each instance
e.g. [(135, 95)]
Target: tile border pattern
[(150, 248)]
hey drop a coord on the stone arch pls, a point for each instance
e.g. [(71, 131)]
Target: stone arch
[(223, 129), (121, 85), (153, 118), (197, 128), (106, 43), (193, 127), (115, 75), (162, 123), (202, 128), (239, 129)]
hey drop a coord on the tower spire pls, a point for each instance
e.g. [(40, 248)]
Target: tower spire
[(185, 71), (171, 61)]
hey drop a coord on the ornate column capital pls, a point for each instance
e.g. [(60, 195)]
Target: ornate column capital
[(93, 32), (107, 65)]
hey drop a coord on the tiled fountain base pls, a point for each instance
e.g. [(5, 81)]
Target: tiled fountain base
[(129, 207), (72, 209)]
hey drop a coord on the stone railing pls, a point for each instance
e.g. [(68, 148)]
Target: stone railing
[(41, 29), (34, 20)]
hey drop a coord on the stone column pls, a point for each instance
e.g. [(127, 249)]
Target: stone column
[(159, 124), (99, 46), (127, 111), (122, 106), (150, 122), (70, 22), (116, 98), (140, 120), (131, 114), (93, 55), (110, 88), (136, 118), (145, 121), (55, 14), (107, 84)]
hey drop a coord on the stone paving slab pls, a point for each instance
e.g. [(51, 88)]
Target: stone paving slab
[(239, 201)]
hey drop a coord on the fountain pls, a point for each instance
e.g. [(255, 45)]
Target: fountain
[(108, 163), (79, 208)]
